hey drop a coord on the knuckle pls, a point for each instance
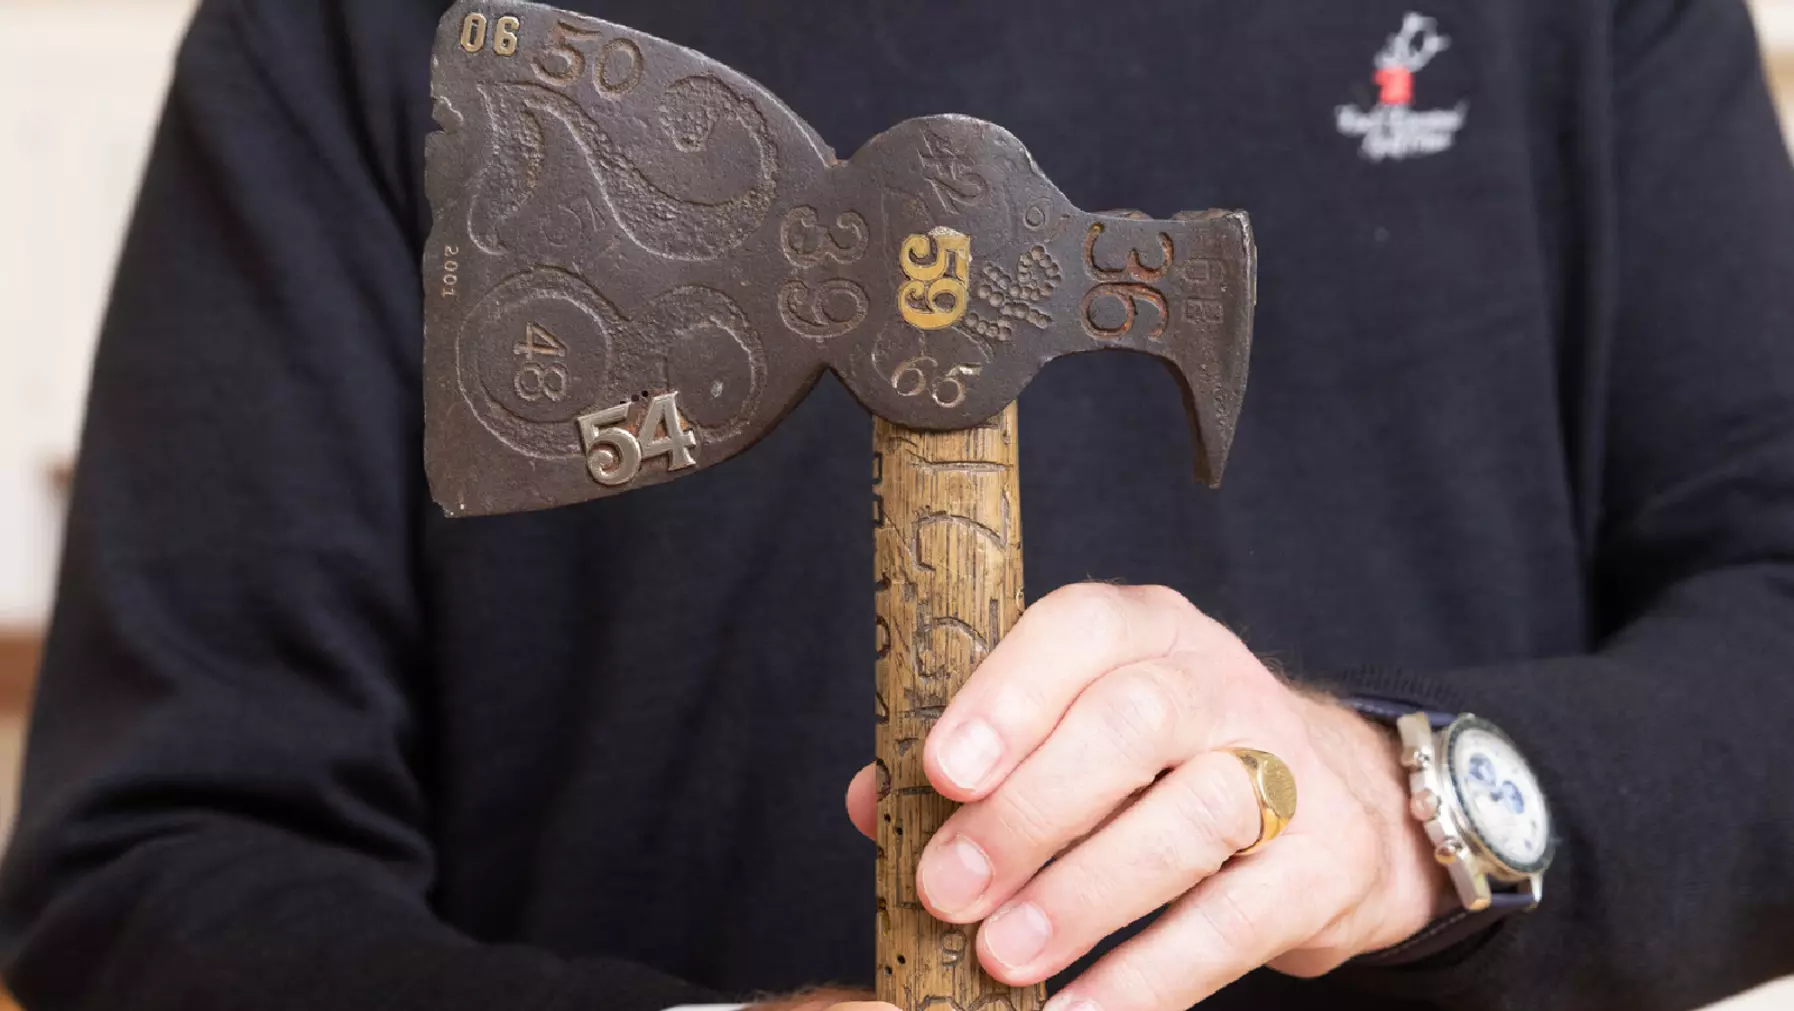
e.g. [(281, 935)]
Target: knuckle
[(1165, 598), (1095, 611), (1142, 706), (1140, 986), (1209, 807), (1168, 850), (1021, 822), (1311, 964), (1079, 891), (1229, 925)]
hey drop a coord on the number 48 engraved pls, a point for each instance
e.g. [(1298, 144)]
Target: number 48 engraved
[(535, 380), (614, 454)]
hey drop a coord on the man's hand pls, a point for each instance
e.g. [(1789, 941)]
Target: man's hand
[(1094, 733)]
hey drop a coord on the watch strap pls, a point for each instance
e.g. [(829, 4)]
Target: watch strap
[(1450, 930), (1389, 710)]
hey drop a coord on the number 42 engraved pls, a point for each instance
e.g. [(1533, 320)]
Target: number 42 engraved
[(614, 454)]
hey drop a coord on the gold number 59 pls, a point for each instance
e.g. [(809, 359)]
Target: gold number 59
[(937, 265)]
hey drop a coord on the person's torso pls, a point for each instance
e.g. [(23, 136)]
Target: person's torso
[(643, 711)]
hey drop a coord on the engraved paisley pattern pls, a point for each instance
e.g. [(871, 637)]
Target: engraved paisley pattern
[(526, 118)]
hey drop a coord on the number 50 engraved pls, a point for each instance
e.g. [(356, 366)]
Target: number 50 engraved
[(614, 454), (937, 265)]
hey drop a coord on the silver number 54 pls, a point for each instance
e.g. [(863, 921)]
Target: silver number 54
[(614, 454)]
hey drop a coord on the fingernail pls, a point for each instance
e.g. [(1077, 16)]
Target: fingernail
[(954, 875), (1016, 934), (970, 753), (1067, 1002)]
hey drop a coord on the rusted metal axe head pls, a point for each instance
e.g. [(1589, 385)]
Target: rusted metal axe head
[(641, 261)]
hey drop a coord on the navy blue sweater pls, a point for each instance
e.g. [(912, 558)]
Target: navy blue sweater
[(1520, 440)]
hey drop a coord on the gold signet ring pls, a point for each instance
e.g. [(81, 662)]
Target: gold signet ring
[(1275, 788)]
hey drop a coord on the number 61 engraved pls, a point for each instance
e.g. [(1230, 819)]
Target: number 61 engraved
[(614, 454), (937, 265)]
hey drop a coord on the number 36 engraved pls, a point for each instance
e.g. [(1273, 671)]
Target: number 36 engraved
[(614, 454), (937, 265)]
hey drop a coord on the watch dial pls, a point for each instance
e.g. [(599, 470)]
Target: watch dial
[(1500, 797)]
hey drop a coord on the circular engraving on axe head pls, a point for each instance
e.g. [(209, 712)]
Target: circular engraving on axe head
[(532, 355), (711, 354)]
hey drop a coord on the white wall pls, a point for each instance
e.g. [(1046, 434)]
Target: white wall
[(71, 147), (1775, 21)]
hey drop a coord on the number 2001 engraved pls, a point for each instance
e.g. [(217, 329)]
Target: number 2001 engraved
[(451, 270), (504, 34), (614, 454)]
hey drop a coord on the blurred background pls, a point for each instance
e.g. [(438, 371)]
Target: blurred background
[(71, 149)]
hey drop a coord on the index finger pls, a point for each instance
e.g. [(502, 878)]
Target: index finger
[(1061, 645)]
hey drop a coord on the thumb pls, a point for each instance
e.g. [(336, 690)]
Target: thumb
[(862, 802)]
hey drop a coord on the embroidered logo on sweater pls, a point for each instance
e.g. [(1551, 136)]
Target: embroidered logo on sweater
[(1393, 128)]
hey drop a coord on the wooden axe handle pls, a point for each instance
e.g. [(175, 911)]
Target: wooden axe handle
[(947, 516)]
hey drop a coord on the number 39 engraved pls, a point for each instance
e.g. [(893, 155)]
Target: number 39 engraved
[(937, 265), (614, 454)]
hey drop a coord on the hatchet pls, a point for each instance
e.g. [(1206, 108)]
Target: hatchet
[(641, 261)]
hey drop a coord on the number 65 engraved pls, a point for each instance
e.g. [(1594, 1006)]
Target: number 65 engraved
[(614, 454), (913, 376), (937, 265)]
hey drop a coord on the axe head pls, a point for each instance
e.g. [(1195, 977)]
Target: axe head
[(641, 261)]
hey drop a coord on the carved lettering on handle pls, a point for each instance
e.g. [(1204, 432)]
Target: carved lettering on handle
[(949, 584)]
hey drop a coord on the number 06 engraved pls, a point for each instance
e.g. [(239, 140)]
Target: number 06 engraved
[(504, 38), (937, 265)]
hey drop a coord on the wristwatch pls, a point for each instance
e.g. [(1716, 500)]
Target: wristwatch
[(1483, 811)]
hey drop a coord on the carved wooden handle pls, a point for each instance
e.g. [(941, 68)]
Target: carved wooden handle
[(947, 513)]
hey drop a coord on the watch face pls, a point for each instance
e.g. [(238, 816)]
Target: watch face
[(1499, 796)]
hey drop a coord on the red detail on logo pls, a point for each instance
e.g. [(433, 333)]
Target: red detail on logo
[(1397, 84)]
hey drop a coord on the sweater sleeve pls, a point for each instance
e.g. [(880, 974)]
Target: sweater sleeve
[(225, 801), (1665, 751)]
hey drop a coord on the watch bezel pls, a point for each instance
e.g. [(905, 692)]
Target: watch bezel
[(1461, 809)]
